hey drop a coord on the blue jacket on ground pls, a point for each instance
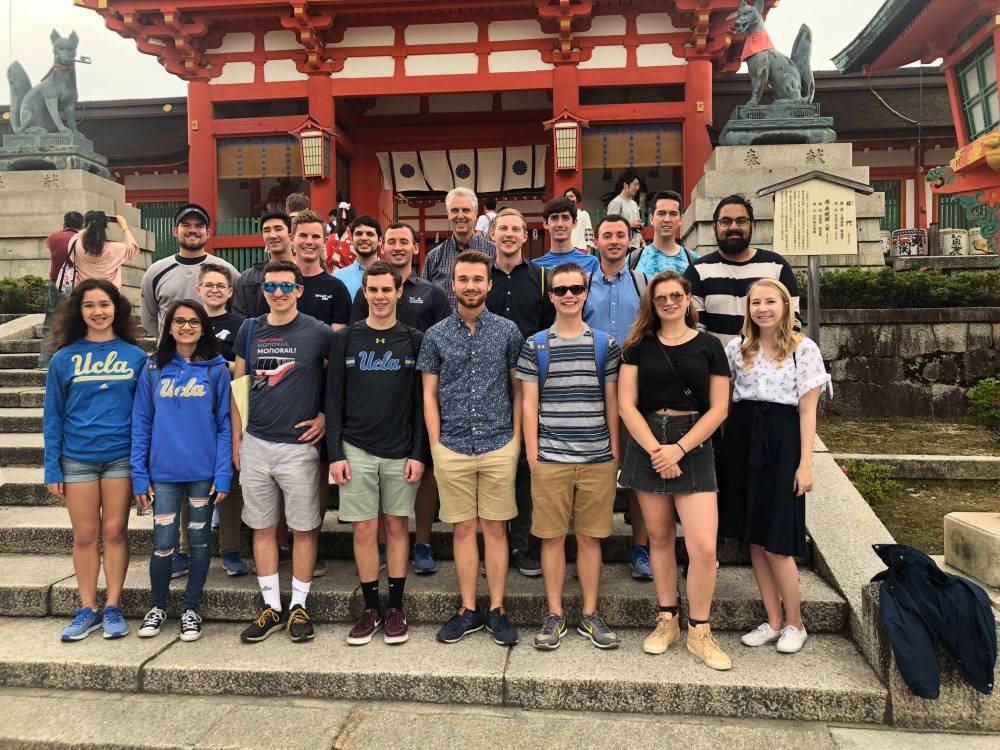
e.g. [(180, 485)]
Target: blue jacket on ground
[(180, 424), (88, 403)]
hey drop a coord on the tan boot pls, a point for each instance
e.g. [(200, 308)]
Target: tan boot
[(667, 631), (703, 645)]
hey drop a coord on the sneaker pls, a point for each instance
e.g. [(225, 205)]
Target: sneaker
[(423, 561), (233, 563), (504, 632), (381, 556), (638, 558), (151, 622), (181, 562), (460, 625), (114, 624), (666, 632), (593, 627), (190, 625), (792, 640), (525, 563), (284, 555), (761, 635), (395, 629), (85, 621), (552, 632), (268, 622), (319, 568), (300, 627), (704, 646), (571, 569), (367, 625)]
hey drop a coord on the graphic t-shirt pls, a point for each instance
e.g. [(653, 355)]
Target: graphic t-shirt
[(286, 362), (226, 326), (325, 298)]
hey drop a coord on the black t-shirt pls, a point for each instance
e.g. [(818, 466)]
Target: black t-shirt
[(325, 298), (374, 399), (422, 305), (695, 361), (226, 326)]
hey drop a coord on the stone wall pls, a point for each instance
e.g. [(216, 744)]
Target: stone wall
[(915, 362)]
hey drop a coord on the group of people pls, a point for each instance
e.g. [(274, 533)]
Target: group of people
[(506, 396)]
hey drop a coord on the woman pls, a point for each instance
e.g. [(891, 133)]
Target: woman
[(766, 468), (673, 391), (583, 231), (94, 255), (182, 455), (624, 204), (87, 419)]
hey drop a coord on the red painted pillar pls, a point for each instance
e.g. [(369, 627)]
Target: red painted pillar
[(366, 180), (202, 169), (697, 118), (323, 193), (957, 111), (565, 96)]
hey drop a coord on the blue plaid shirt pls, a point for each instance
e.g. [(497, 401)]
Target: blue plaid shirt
[(439, 262)]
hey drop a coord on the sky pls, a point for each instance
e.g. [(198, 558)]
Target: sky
[(119, 71)]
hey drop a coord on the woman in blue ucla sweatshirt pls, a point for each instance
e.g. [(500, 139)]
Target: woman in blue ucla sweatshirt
[(87, 419), (182, 454)]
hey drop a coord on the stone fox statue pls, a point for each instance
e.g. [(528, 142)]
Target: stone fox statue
[(791, 78), (50, 106)]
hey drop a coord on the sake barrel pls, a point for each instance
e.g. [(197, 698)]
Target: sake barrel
[(908, 242), (954, 241)]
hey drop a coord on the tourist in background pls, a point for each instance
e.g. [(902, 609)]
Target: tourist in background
[(664, 253), (97, 257), (57, 243), (484, 224), (296, 203), (583, 232), (87, 420), (623, 202), (463, 208)]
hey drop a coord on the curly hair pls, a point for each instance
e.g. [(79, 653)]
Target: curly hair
[(69, 326)]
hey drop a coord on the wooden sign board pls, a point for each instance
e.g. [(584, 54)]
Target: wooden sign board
[(816, 217)]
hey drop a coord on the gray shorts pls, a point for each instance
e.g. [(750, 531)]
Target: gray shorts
[(269, 471), (375, 482)]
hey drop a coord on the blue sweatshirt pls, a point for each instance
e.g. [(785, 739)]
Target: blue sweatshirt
[(180, 424), (88, 403)]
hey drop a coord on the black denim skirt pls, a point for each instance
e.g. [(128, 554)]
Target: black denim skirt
[(697, 467)]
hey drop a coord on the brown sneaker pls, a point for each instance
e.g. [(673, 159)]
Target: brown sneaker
[(367, 625), (666, 632), (396, 630), (703, 645)]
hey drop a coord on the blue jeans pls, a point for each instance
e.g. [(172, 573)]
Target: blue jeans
[(167, 503)]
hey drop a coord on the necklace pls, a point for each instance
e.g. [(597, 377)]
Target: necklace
[(672, 338)]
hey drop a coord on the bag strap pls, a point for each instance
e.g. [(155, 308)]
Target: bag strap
[(687, 254), (542, 349), (670, 363), (639, 281), (542, 280), (251, 322), (600, 355), (541, 340)]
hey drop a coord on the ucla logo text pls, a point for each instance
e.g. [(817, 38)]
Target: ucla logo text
[(191, 389), (371, 363), (109, 368)]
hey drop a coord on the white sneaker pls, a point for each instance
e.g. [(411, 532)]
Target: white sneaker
[(762, 635), (792, 639)]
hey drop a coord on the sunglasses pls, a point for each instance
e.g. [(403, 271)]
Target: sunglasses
[(286, 287), (662, 299), (576, 289)]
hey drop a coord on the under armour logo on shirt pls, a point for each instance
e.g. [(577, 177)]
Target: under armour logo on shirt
[(379, 341)]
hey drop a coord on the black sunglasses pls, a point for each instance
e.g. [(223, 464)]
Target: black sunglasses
[(576, 289)]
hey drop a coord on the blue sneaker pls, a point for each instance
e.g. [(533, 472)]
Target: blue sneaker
[(233, 563), (504, 632), (639, 562), (381, 556), (460, 625), (181, 562), (114, 624), (85, 622), (423, 561)]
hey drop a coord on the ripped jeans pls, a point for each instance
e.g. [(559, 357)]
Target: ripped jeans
[(167, 502)]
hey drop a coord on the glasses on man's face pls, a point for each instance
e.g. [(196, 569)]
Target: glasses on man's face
[(286, 287), (209, 286), (741, 222), (660, 300), (576, 289), (181, 322)]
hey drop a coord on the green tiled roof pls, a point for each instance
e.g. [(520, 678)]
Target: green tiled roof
[(890, 20)]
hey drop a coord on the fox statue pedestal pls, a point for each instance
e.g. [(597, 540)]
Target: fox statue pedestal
[(50, 151)]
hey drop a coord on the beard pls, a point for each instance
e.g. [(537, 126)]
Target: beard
[(192, 243), (368, 252), (733, 243), (472, 303)]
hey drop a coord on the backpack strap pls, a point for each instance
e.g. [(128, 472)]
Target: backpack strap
[(542, 280), (634, 257), (600, 355), (687, 254), (639, 281), (251, 322), (541, 340)]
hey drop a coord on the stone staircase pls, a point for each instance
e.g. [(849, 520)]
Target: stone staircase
[(829, 680)]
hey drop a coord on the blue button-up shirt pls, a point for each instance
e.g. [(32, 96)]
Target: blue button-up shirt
[(612, 304), (351, 276), (474, 387)]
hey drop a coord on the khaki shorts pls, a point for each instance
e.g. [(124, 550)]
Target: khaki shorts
[(584, 491), (375, 482), (476, 486), (279, 474)]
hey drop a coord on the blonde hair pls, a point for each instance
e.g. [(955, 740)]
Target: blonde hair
[(508, 212), (786, 337), (647, 322)]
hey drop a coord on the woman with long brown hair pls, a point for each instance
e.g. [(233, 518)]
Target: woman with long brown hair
[(673, 393), (97, 257)]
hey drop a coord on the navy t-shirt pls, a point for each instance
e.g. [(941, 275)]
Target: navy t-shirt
[(325, 298), (226, 326)]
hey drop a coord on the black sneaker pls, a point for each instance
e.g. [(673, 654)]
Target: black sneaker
[(300, 627), (525, 563), (152, 622), (504, 632), (269, 621), (190, 625), (460, 625)]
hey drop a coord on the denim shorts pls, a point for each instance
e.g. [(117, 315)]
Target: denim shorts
[(697, 467), (85, 471)]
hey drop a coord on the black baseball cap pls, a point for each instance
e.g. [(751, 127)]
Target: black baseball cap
[(190, 209)]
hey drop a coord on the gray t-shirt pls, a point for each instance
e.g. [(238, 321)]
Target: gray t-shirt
[(287, 364), (629, 209)]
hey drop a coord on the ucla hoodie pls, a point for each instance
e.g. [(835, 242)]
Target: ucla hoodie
[(180, 424)]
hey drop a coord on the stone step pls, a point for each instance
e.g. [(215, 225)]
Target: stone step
[(34, 345), (22, 396), (14, 361), (20, 419), (23, 485), (828, 681), (22, 449), (32, 378)]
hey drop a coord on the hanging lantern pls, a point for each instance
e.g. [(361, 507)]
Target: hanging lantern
[(314, 149), (566, 140)]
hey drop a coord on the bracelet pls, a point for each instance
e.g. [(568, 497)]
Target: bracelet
[(682, 448)]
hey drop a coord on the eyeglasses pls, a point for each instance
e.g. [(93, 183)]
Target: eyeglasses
[(662, 299), (286, 287), (209, 286), (576, 289), (741, 222), (181, 322)]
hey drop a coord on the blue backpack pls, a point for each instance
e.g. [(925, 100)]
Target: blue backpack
[(541, 340)]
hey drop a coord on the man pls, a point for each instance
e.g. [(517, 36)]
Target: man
[(172, 279), (518, 294), (473, 424), (611, 306), (276, 228), (720, 281), (485, 221), (323, 297), (278, 453), (366, 236), (663, 253), (570, 407), (296, 203), (377, 444), (462, 206), (559, 218), (57, 244)]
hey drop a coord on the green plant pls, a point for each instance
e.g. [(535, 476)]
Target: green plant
[(872, 479), (855, 288), (24, 294), (984, 398)]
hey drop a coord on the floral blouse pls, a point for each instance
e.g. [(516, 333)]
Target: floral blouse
[(778, 384)]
